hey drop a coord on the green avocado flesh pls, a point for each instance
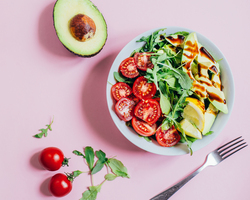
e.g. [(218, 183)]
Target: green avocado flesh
[(64, 12)]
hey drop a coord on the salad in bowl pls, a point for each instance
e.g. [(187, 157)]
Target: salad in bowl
[(169, 90)]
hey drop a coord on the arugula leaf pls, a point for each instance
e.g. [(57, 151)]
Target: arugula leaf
[(91, 193), (89, 156), (209, 133), (145, 137), (110, 177), (73, 175), (121, 78), (44, 132), (185, 81), (78, 153), (100, 162), (184, 33), (117, 167)]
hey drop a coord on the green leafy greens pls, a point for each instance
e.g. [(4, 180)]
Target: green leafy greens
[(117, 169), (172, 83), (44, 131)]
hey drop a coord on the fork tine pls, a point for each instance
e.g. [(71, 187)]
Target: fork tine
[(228, 143), (230, 146), (235, 150)]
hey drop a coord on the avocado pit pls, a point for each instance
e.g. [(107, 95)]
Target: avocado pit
[(82, 27)]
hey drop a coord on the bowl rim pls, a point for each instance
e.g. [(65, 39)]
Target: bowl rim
[(179, 149)]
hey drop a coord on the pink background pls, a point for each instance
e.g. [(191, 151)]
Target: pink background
[(40, 79)]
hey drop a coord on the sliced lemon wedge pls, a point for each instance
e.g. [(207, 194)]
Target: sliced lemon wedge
[(194, 112), (190, 129)]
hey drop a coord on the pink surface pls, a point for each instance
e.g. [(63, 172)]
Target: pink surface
[(41, 79)]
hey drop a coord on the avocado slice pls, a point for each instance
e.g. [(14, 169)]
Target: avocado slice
[(190, 52), (80, 26), (210, 116)]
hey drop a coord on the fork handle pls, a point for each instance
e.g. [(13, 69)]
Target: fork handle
[(169, 192)]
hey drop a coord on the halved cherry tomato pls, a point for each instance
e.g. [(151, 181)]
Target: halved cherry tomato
[(142, 89), (120, 90), (148, 110), (142, 127), (167, 138), (128, 68), (143, 61), (124, 109)]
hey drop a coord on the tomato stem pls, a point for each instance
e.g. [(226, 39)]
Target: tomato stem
[(65, 162)]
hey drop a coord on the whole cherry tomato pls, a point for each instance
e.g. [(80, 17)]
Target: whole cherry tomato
[(60, 185), (52, 159)]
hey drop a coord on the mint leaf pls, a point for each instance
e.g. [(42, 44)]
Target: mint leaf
[(117, 167), (89, 156)]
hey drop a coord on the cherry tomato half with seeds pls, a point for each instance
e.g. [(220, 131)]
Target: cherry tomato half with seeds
[(128, 68), (167, 138), (52, 159), (120, 90), (124, 109), (148, 110), (142, 89), (143, 61), (59, 185), (143, 128)]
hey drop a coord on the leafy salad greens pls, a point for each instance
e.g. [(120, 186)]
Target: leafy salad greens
[(172, 79)]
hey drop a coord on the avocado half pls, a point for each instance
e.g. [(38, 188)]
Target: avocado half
[(80, 26)]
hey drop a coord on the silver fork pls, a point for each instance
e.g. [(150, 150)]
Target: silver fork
[(212, 159)]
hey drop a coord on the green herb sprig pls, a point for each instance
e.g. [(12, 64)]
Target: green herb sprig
[(44, 131), (116, 167)]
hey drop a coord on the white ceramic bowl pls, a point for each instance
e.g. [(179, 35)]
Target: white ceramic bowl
[(179, 149)]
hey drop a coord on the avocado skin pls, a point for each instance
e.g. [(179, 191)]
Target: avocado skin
[(80, 55)]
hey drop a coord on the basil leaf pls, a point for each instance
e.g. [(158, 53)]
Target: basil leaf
[(89, 156), (117, 167)]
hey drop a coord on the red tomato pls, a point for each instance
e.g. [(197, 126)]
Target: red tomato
[(51, 158), (134, 98), (142, 89), (148, 110), (120, 90), (142, 127), (143, 61), (128, 68), (167, 138), (124, 108), (59, 185)]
